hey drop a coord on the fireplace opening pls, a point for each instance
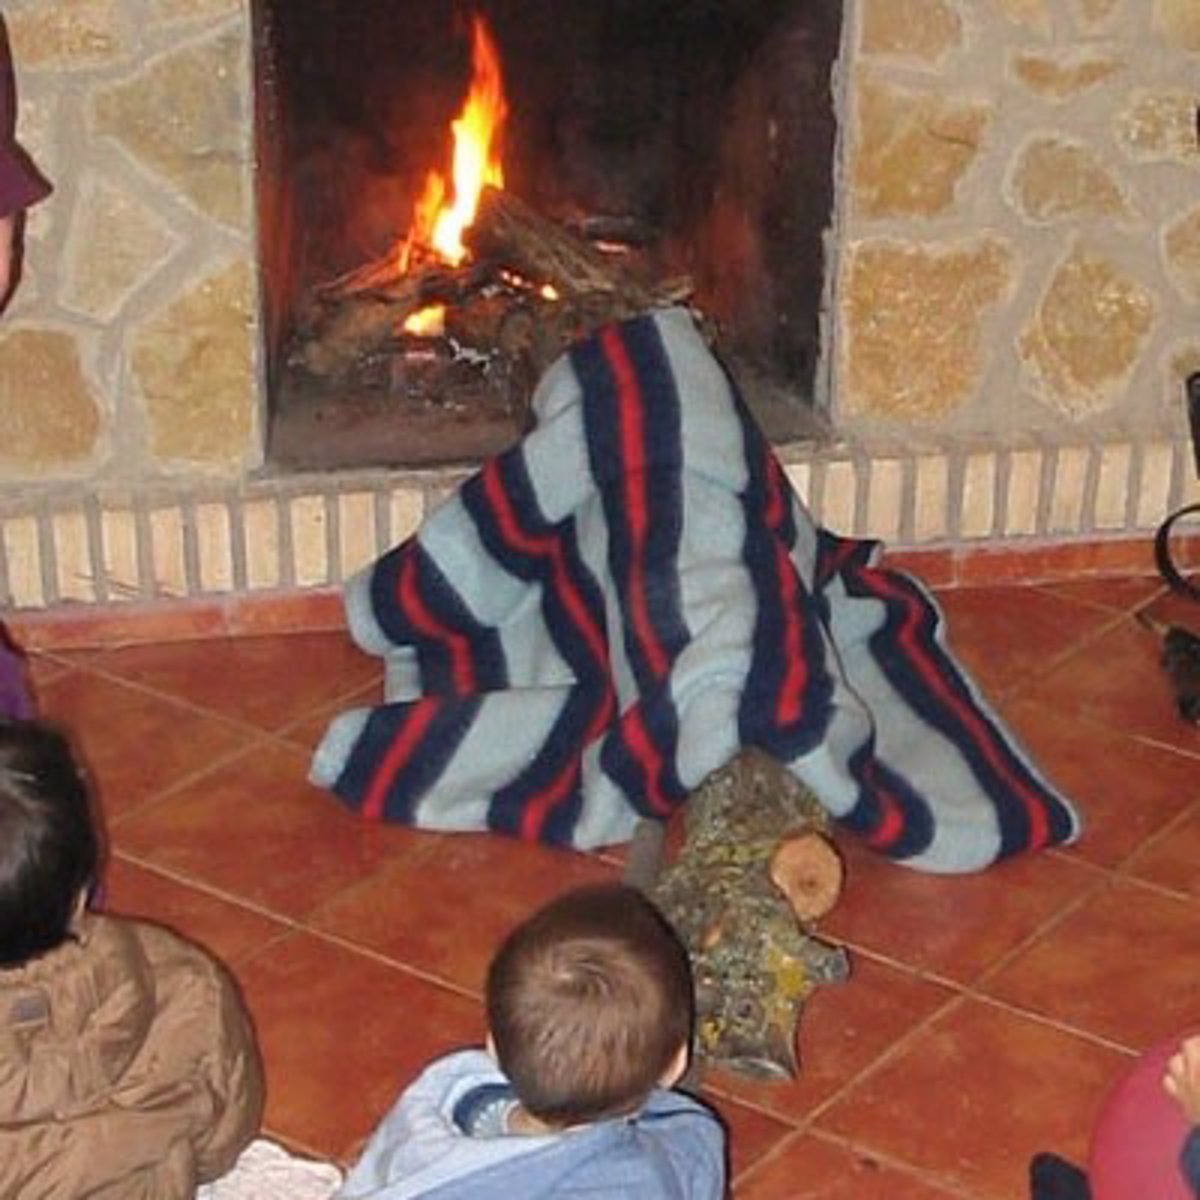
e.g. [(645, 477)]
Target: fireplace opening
[(656, 149)]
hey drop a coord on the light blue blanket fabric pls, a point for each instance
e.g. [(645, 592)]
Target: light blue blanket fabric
[(609, 611)]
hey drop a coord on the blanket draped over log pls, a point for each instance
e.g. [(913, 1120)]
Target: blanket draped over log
[(606, 612)]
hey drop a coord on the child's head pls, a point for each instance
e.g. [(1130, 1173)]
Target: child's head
[(48, 844), (590, 1005)]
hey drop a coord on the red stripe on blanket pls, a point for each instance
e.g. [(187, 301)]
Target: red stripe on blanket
[(420, 715), (646, 752), (790, 699), (633, 475), (538, 807), (829, 565), (789, 703), (889, 826), (549, 547), (424, 621), (983, 737), (775, 511)]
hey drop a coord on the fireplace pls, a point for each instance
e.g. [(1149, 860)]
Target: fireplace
[(689, 145), (1007, 310)]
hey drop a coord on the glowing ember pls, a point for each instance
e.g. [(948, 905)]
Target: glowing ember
[(443, 213), (429, 321)]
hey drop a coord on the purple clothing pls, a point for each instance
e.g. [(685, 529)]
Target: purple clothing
[(16, 696), (20, 183), (20, 186)]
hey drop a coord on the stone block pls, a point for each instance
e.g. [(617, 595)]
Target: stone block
[(1057, 180), (912, 149), (912, 345), (48, 410), (1086, 336)]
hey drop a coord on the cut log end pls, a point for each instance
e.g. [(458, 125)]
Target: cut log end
[(807, 869)]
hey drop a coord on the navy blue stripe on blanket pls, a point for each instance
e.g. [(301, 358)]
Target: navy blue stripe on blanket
[(542, 802), (503, 505), (416, 605), (890, 814), (785, 705), (634, 436), (907, 650), (401, 754)]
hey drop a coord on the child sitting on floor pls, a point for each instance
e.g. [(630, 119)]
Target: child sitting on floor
[(1146, 1143), (589, 1006), (128, 1068)]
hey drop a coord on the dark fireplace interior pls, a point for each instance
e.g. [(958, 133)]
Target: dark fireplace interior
[(691, 138)]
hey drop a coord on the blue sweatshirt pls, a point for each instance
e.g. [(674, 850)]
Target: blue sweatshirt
[(673, 1148)]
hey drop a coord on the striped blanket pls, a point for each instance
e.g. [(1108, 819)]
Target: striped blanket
[(605, 613)]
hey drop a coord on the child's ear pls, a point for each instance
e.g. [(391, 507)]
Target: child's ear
[(676, 1068)]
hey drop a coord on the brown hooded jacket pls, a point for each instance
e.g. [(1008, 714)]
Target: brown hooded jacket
[(128, 1068)]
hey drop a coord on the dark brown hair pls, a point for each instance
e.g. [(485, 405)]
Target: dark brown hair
[(48, 845), (588, 1002)]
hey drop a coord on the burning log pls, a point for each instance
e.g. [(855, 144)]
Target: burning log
[(361, 313), (508, 231), (349, 320), (577, 287)]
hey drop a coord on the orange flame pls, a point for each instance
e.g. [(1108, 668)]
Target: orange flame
[(438, 223)]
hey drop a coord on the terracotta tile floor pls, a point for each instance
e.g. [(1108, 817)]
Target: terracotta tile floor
[(985, 1015)]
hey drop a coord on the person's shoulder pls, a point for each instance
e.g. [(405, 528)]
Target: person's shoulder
[(159, 943), (175, 961), (684, 1122), (662, 1103), (468, 1063)]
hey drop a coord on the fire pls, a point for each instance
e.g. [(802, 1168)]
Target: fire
[(444, 212)]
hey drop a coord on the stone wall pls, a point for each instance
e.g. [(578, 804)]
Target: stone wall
[(1020, 226), (1012, 306), (131, 350)]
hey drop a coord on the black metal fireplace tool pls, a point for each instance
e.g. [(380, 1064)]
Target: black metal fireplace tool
[(1181, 647)]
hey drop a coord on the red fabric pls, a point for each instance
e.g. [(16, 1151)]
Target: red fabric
[(1138, 1139)]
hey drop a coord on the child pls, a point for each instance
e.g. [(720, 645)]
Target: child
[(589, 1004), (1146, 1142), (1182, 1081), (128, 1069), (20, 184)]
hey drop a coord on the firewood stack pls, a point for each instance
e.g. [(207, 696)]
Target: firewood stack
[(529, 289)]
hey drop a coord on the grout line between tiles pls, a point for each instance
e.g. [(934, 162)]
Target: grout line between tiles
[(861, 1150), (1055, 662), (960, 994), (295, 925), (219, 762)]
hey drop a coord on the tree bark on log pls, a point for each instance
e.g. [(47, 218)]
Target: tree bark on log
[(507, 230), (344, 327)]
